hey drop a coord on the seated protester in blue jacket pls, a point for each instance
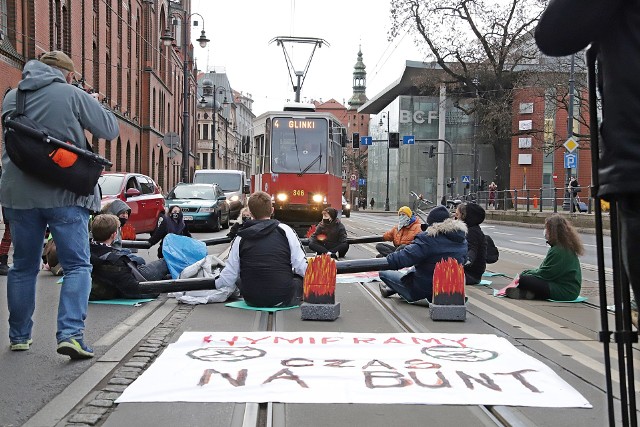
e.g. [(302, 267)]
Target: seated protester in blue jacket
[(117, 272), (443, 239), (330, 236), (266, 260), (173, 222)]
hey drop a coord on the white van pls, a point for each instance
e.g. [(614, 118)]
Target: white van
[(233, 183)]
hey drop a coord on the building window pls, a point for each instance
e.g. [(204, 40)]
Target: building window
[(525, 124), (526, 108), (205, 131), (524, 142)]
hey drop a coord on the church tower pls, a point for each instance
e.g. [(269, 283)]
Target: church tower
[(359, 83)]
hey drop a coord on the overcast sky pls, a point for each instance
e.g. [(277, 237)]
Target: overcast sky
[(240, 32)]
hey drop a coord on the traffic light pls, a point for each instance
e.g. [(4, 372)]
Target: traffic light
[(432, 150), (394, 140), (356, 140), (483, 183)]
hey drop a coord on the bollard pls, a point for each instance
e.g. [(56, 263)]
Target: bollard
[(541, 200)]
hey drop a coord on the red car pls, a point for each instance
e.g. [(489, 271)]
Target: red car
[(140, 192)]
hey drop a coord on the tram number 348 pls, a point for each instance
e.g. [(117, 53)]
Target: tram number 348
[(298, 192)]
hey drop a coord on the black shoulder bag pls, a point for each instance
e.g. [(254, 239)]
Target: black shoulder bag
[(31, 147)]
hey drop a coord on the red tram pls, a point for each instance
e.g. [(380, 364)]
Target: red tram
[(299, 162)]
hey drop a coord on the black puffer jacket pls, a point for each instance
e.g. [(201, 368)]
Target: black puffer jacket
[(477, 254), (330, 234), (615, 26)]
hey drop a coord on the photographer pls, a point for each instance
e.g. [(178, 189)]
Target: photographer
[(30, 204)]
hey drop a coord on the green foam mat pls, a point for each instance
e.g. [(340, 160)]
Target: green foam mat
[(243, 305)]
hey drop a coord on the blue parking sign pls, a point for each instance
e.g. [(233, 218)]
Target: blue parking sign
[(366, 140), (570, 160)]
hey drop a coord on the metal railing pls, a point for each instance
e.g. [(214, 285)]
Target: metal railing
[(555, 199)]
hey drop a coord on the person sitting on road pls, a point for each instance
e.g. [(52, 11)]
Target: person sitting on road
[(402, 234), (473, 215), (559, 277), (330, 236), (169, 223), (117, 272), (245, 215), (443, 239), (122, 211), (266, 260)]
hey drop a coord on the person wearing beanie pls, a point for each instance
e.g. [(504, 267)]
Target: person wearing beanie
[(444, 238), (401, 234), (330, 235), (472, 215), (122, 211)]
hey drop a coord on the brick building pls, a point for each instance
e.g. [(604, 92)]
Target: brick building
[(118, 53)]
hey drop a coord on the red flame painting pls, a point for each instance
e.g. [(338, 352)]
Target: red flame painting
[(320, 280), (310, 231), (128, 232), (448, 283)]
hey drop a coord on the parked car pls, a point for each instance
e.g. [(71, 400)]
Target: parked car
[(346, 208), (203, 205), (140, 192)]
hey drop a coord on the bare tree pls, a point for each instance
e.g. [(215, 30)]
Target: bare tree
[(484, 49)]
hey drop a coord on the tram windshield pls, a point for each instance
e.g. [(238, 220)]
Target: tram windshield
[(299, 145)]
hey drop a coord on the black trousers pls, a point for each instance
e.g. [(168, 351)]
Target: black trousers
[(340, 248), (538, 286)]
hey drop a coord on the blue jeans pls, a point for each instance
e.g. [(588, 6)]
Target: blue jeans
[(407, 289), (69, 227)]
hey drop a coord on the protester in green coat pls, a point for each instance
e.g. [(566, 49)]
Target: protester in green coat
[(559, 277)]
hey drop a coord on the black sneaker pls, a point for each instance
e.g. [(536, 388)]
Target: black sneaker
[(4, 269), (75, 348), (334, 255), (385, 291), (517, 293)]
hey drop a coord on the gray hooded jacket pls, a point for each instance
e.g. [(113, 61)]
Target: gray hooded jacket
[(66, 110)]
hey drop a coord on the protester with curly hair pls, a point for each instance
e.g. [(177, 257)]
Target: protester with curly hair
[(559, 277)]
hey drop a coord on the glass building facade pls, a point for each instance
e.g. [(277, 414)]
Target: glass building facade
[(410, 168)]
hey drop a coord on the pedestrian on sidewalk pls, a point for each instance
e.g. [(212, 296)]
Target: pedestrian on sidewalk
[(31, 204), (559, 277), (5, 245), (372, 203), (266, 260), (492, 194)]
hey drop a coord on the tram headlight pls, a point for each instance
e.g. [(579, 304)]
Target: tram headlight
[(281, 197), (317, 198)]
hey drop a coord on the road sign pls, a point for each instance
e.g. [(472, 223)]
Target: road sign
[(466, 179), (570, 160), (171, 140), (366, 140), (571, 144), (353, 177), (362, 181), (408, 139)]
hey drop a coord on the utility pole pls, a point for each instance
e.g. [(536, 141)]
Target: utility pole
[(566, 205)]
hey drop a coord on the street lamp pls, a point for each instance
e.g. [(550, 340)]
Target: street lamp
[(386, 201), (167, 38), (209, 89)]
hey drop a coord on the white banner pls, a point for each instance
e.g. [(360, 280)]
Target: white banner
[(329, 367)]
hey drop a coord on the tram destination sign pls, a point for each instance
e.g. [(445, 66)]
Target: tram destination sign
[(297, 123)]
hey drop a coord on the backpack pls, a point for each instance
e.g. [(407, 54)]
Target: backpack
[(33, 149), (492, 251)]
